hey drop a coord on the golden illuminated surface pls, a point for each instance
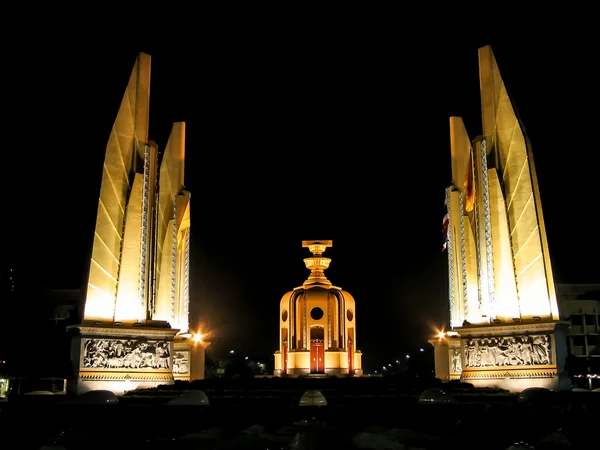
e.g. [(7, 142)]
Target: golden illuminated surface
[(472, 300), (126, 277), (457, 312), (138, 286), (500, 279), (460, 147), (180, 313), (514, 164), (130, 127), (317, 263), (171, 184), (506, 272), (128, 305)]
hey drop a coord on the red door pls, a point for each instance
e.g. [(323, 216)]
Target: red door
[(317, 357)]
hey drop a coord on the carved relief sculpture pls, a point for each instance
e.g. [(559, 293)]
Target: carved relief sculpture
[(508, 351), (456, 361), (181, 363), (126, 354)]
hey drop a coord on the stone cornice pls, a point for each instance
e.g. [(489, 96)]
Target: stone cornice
[(453, 343), (503, 329), (116, 376), (316, 285), (543, 372), (182, 345), (122, 332)]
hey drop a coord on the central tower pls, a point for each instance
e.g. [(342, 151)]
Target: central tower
[(317, 323)]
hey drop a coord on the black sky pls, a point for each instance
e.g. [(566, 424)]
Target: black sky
[(341, 138)]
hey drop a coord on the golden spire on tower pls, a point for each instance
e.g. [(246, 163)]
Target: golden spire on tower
[(317, 263)]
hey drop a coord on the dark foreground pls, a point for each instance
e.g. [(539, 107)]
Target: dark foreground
[(265, 414)]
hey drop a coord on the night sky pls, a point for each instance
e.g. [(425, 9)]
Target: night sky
[(341, 139)]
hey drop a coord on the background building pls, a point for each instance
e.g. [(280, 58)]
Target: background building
[(579, 305)]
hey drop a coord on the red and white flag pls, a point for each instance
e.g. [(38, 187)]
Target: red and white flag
[(445, 224)]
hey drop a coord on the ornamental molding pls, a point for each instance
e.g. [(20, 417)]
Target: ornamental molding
[(453, 343), (495, 330), (144, 244), (125, 377), (174, 233), (146, 372), (463, 254), (178, 345), (117, 332), (489, 375), (186, 282), (487, 228), (449, 251)]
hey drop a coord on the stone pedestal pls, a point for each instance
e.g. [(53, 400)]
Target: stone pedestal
[(120, 358), (198, 358), (447, 359), (278, 372), (298, 363), (515, 356), (182, 357), (188, 358)]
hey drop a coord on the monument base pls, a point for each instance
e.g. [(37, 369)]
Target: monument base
[(335, 363), (515, 357), (189, 357), (447, 356), (182, 357), (336, 372), (298, 372), (120, 358)]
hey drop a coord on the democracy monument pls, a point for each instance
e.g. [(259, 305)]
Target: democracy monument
[(504, 331), (317, 323), (504, 321), (135, 328)]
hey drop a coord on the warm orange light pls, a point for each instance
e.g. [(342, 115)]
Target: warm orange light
[(197, 337), (440, 333)]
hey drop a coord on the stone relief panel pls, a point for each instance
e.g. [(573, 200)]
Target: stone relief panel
[(529, 350), (455, 361), (181, 363), (126, 354)]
